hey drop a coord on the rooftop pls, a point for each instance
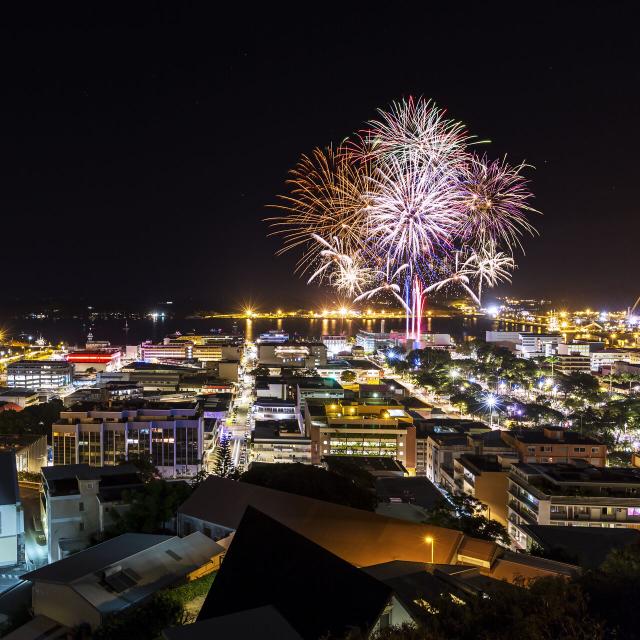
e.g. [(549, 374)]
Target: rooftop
[(115, 574), (294, 569), (17, 393), (415, 490), (551, 435)]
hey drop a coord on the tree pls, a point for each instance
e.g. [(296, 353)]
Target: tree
[(223, 463), (146, 469), (36, 419), (466, 514), (348, 376), (152, 508), (313, 482), (144, 622)]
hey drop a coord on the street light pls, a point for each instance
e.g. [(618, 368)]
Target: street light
[(490, 401), (431, 541)]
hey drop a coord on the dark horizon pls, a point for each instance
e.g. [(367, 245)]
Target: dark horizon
[(140, 150)]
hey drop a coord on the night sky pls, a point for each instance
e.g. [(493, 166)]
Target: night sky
[(138, 150)]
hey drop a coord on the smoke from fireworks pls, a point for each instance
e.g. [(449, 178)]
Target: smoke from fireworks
[(405, 209)]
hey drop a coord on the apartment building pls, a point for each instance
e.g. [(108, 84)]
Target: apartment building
[(485, 477), (78, 502), (570, 363), (11, 513), (555, 444), (436, 451), (171, 437), (578, 495)]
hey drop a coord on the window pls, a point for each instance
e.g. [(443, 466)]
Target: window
[(80, 506), (633, 512), (81, 526), (579, 449), (595, 450)]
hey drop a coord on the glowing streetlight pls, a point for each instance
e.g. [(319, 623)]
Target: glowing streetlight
[(454, 373), (430, 541), (490, 401)]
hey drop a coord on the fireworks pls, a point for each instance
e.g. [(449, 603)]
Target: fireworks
[(405, 209), (494, 196)]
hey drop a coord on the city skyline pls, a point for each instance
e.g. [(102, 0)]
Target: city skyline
[(180, 136)]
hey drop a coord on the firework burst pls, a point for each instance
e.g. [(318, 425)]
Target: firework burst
[(328, 197), (495, 199), (413, 211), (405, 209)]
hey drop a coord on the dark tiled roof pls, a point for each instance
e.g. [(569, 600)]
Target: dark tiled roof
[(420, 491), (290, 575)]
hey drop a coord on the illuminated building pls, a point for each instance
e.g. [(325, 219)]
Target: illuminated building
[(98, 360), (273, 336), (169, 350), (372, 342), (275, 409), (292, 354), (365, 371), (578, 495), (172, 438), (335, 344), (281, 441), (47, 375), (555, 444), (11, 513), (569, 363), (376, 427)]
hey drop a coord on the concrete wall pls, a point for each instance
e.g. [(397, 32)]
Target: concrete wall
[(491, 488), (63, 604)]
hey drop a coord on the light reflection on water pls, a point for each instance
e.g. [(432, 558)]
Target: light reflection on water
[(75, 331)]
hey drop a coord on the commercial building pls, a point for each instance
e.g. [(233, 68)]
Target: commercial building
[(110, 577), (40, 375), (570, 363), (96, 360), (297, 388), (526, 344), (19, 397), (169, 350), (578, 495), (336, 344), (308, 355), (373, 342), (216, 351), (30, 450), (11, 514), (366, 372), (606, 358), (78, 503), (275, 409), (360, 428), (281, 441), (172, 437), (555, 444), (115, 391)]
